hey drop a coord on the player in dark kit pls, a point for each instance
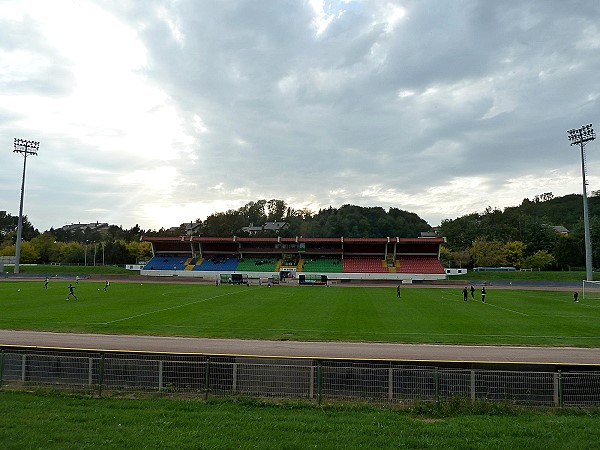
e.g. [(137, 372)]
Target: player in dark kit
[(465, 294), (483, 294), (71, 292), (106, 285)]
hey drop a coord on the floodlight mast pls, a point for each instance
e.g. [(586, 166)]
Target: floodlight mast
[(581, 136), (26, 148)]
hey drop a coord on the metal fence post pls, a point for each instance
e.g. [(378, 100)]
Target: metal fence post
[(390, 382), (160, 375), (437, 384), (206, 377), (319, 381), (101, 374), (23, 368), (1, 367), (90, 371), (473, 395), (560, 390), (555, 389), (311, 381), (234, 375)]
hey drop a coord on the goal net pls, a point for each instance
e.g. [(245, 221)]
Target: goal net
[(591, 289)]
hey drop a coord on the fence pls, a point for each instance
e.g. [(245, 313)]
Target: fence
[(314, 380)]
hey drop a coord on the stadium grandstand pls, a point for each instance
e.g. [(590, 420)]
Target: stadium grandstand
[(400, 259)]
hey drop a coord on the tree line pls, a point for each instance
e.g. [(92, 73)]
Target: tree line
[(348, 221), (522, 236), (113, 246)]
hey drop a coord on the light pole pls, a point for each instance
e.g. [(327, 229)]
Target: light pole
[(25, 148), (85, 256), (582, 136)]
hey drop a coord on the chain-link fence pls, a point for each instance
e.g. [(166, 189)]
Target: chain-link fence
[(309, 379)]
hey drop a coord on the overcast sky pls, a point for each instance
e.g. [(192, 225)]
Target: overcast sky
[(162, 112)]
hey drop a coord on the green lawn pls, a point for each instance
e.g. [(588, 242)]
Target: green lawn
[(428, 315), (49, 421)]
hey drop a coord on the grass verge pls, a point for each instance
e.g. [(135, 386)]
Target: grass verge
[(50, 420)]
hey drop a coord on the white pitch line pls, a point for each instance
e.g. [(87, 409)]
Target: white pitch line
[(487, 303), (167, 309), (506, 309), (587, 305)]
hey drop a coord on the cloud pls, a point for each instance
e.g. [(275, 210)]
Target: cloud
[(192, 107)]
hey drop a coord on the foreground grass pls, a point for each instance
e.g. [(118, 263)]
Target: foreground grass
[(427, 315), (51, 420)]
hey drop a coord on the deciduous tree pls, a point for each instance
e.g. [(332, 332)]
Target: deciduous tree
[(487, 253)]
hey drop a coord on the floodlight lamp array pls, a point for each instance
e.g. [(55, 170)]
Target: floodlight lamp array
[(579, 136), (27, 147)]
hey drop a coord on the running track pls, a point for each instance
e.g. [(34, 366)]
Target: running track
[(328, 350)]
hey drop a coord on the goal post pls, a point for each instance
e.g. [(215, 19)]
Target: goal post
[(591, 289)]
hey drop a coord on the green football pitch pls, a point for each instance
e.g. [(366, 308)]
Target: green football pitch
[(421, 315)]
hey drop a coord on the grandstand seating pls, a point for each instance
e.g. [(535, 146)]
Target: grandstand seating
[(257, 265), (350, 264), (166, 263), (364, 264), (322, 265), (218, 264), (419, 264)]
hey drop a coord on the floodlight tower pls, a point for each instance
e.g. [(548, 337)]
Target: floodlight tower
[(26, 148), (582, 136)]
